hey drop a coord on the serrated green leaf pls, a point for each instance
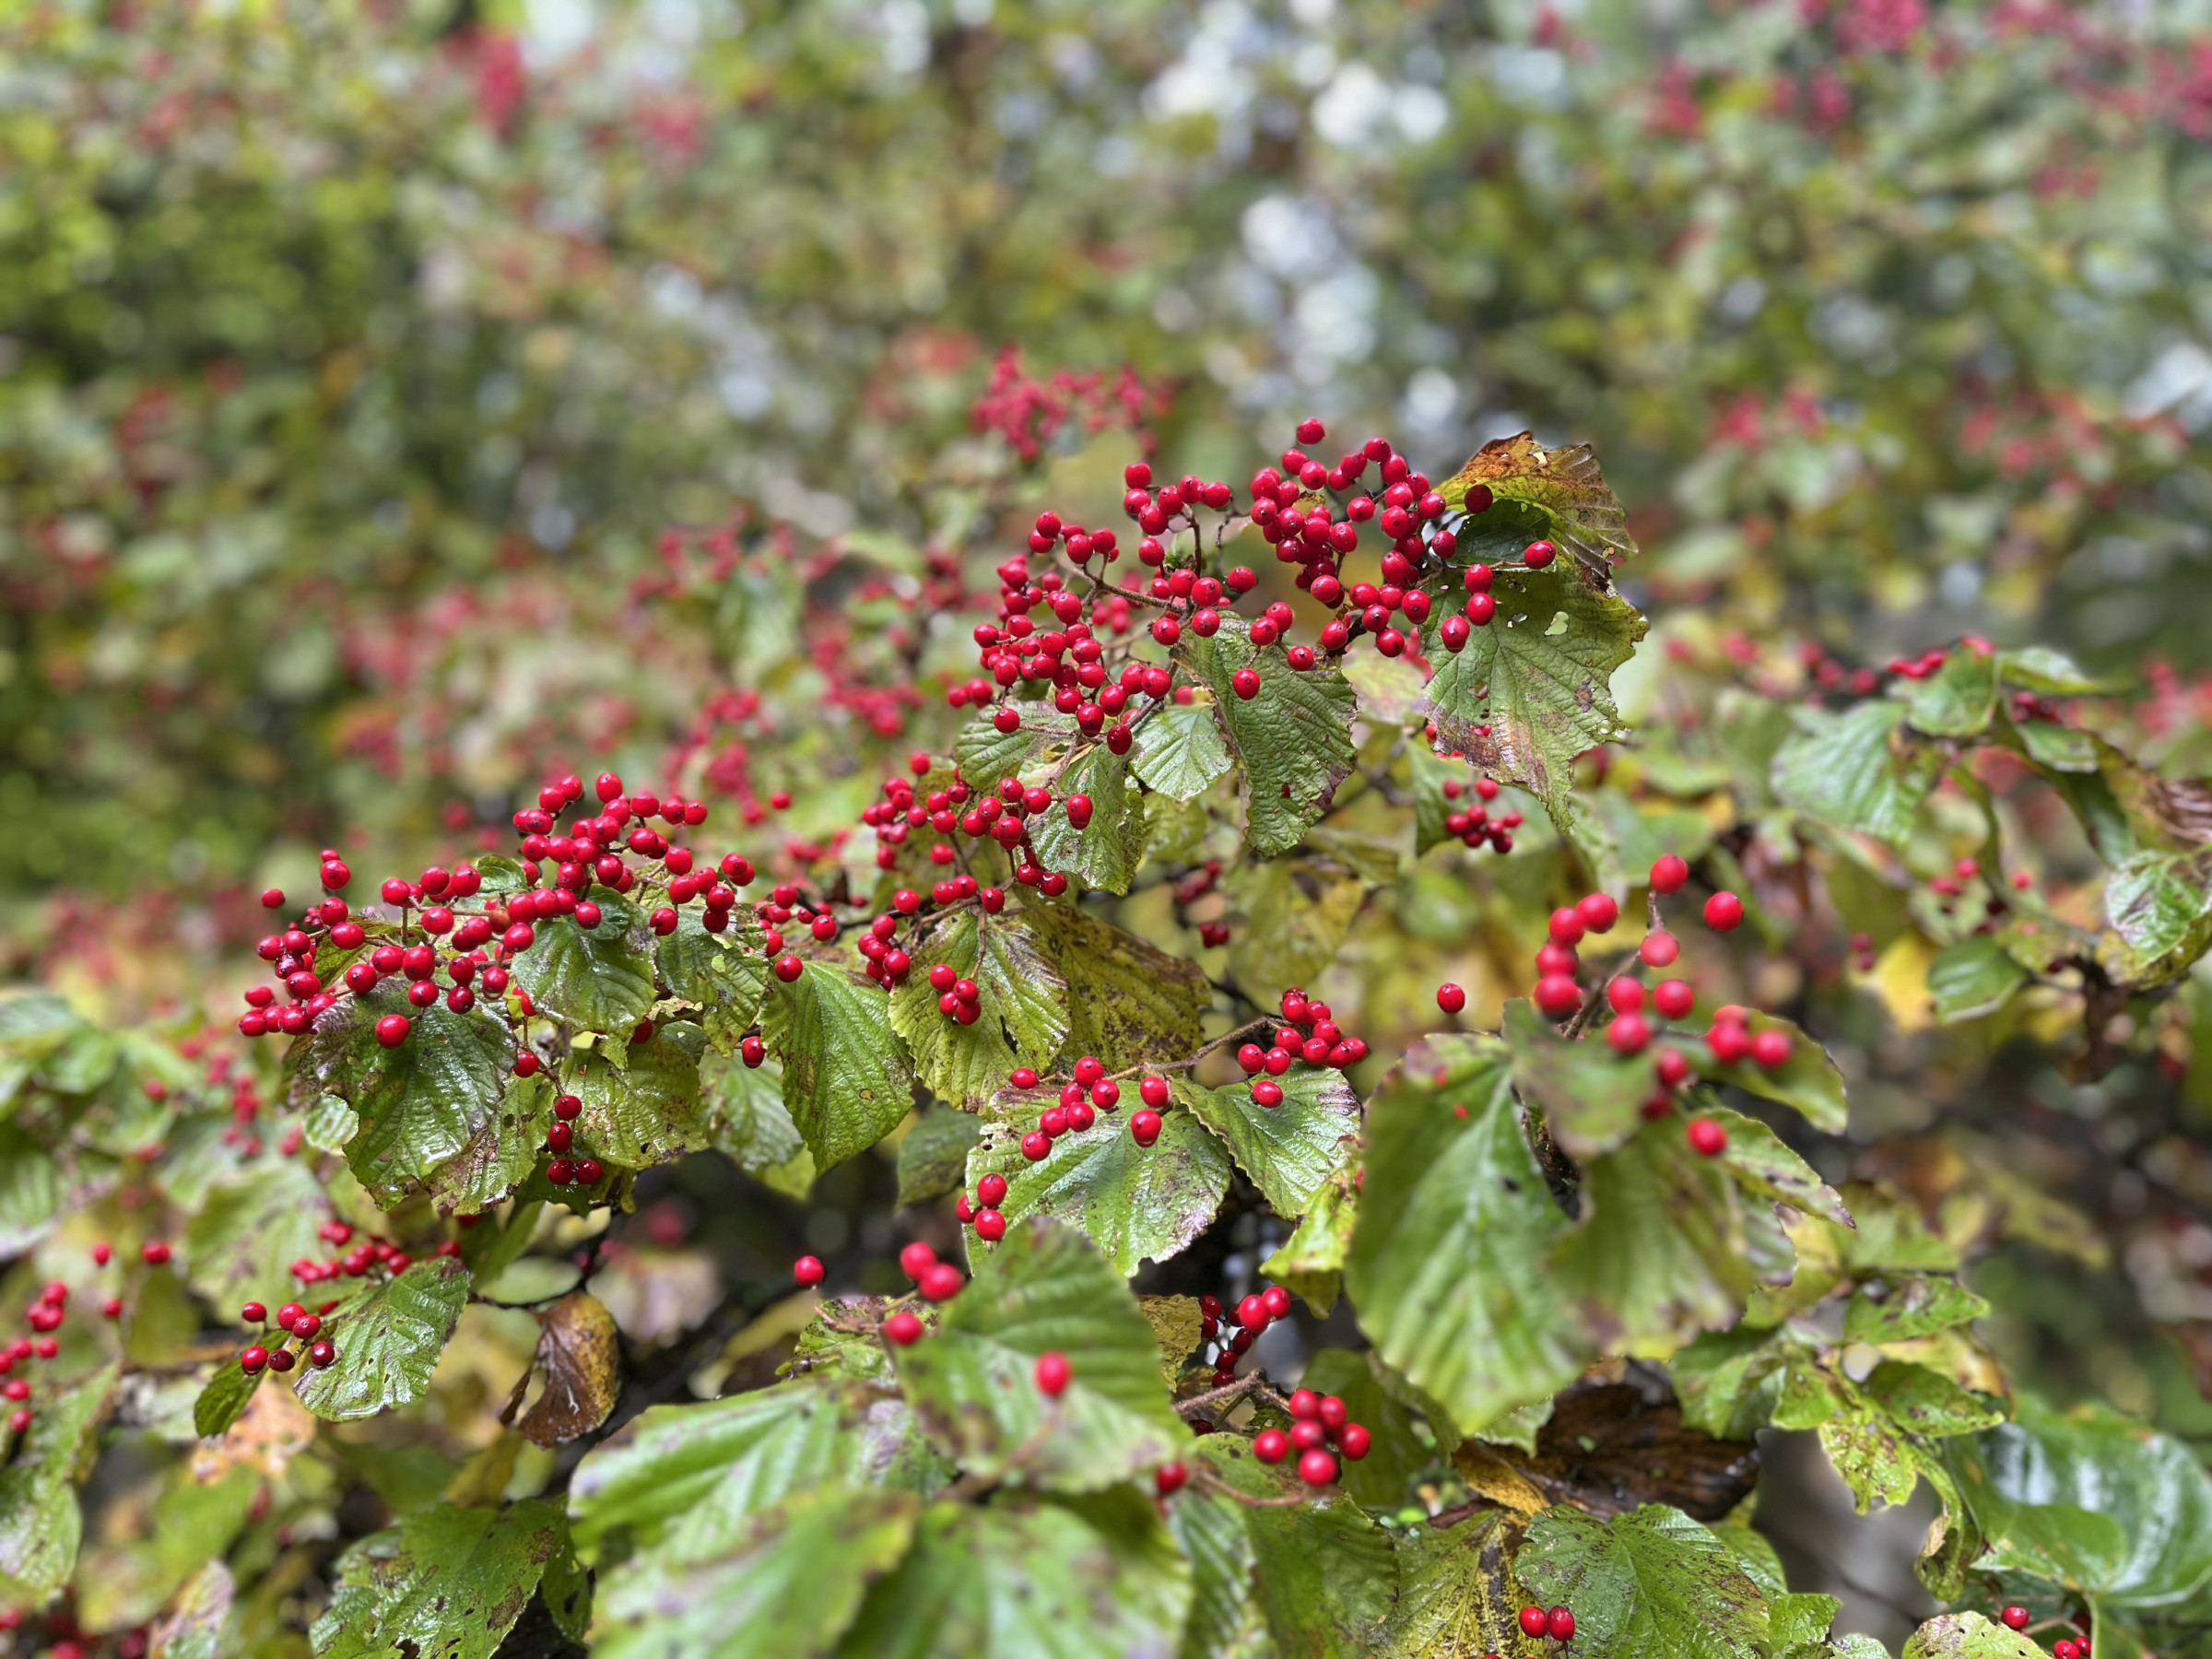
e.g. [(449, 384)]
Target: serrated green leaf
[(787, 1585), (389, 1339), (1286, 1150), (725, 974), (1310, 1262), (1180, 750), (1592, 1098), (1927, 1402), (225, 1398), (1293, 740), (1857, 770), (40, 1524), (1661, 1253), (933, 1158), (444, 1584), (1807, 1082), (1755, 1557), (2159, 906), (1974, 977), (2093, 1500), (1456, 1223), (986, 755), (1913, 1306), (598, 979), (1533, 688), (328, 1124), (646, 1111), (420, 1104), (250, 1231), (1968, 1636), (1457, 1597), (743, 1109), (1729, 1382), (847, 1082), (1762, 1165), (1959, 700), (1293, 915), (1106, 852), (503, 1153), (1870, 1451), (1024, 1002), (1649, 1585), (31, 1196), (1128, 1002), (1044, 1288), (1135, 1202), (1226, 1621), (1794, 1621), (1097, 1577)]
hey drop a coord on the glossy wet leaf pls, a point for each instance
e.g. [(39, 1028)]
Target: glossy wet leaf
[(1968, 1636), (598, 979), (1286, 1150), (847, 1082), (1650, 1585), (1021, 991), (389, 1340), (645, 1111), (1457, 1597), (725, 974), (1180, 750), (1292, 742), (1592, 1098), (444, 1584), (1106, 851), (1974, 977)]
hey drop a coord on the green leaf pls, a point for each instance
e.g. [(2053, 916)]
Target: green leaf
[(503, 1153), (1044, 1288), (40, 1524), (1106, 852), (1592, 1098), (598, 979), (1761, 1164), (1648, 1584), (2094, 1500), (1128, 1003), (420, 1104), (1457, 1595), (1310, 1262), (933, 1158), (388, 1339), (1913, 1306), (1757, 1557), (1661, 1253), (846, 1080), (1869, 1451), (328, 1124), (647, 1110), (742, 1107), (1322, 1579), (1807, 1082), (787, 1585), (1136, 1203), (1968, 1636), (1180, 750), (986, 754), (252, 1228), (444, 1584), (1926, 1401), (1082, 1579), (1534, 688), (725, 974), (1288, 1150), (1293, 740), (1974, 977), (2160, 905), (1024, 1002), (1447, 1264), (1730, 1381), (32, 1196), (1794, 1620), (688, 1479), (1959, 700), (1293, 915), (1857, 770), (2051, 673), (226, 1397)]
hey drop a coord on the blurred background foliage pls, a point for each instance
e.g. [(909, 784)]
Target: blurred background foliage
[(400, 400)]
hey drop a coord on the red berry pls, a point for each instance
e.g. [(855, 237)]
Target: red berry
[(1659, 950), (321, 1355), (1353, 1441), (1558, 1624), (789, 968), (1668, 873), (281, 1359), (253, 1313), (1266, 1092), (288, 1314), (1316, 1467), (2014, 1617), (1674, 998), (393, 1029), (156, 1254), (903, 1327), (1450, 998), (1245, 682), (1271, 1445), (1310, 431), (1534, 1622), (1538, 554), (1624, 995), (807, 1270), (1275, 1301), (1037, 1146), (1051, 1372), (254, 1360), (941, 1281), (991, 1191), (590, 1171), (916, 1259), (1770, 1048), (1144, 1127), (1707, 1138), (1154, 1090), (1671, 1066), (1557, 995), (1599, 912), (1304, 1403), (1170, 1477), (1566, 926), (1724, 912)]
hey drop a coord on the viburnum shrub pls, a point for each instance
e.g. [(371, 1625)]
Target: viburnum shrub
[(1560, 1259)]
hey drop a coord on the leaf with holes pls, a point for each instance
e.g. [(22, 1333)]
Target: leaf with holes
[(846, 1080), (388, 1340), (1558, 493), (444, 1584), (1293, 739), (1290, 1149)]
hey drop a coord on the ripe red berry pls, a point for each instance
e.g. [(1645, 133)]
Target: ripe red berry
[(1534, 1622), (941, 1281), (789, 968), (321, 1355), (2066, 1648), (1659, 950), (102, 1253), (1724, 912), (156, 1254), (1271, 1445), (1557, 995), (393, 1029), (1558, 1624), (1310, 431), (281, 1359), (1450, 998), (1267, 1092), (590, 1171), (1668, 873), (1154, 1090), (1599, 912), (1707, 1138), (916, 1259), (1051, 1372), (1671, 1067), (1674, 998), (1037, 1146), (1275, 1301), (807, 1270), (1353, 1441), (254, 1360), (288, 1314), (903, 1327), (1538, 554), (2014, 1617), (1317, 1467), (991, 1190), (253, 1313), (1170, 1477), (1566, 925), (1144, 1127), (1245, 682)]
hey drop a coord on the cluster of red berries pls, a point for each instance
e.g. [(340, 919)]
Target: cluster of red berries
[(1004, 817), (1472, 823), (1251, 1315), (1087, 1092), (2017, 1617), (1558, 1625), (365, 1256), (560, 1136), (1309, 1033), (1830, 675), (44, 1317), (299, 1325), (1318, 1422)]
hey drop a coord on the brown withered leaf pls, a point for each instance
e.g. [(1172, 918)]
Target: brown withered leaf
[(1587, 517), (1176, 1322), (1609, 1448), (272, 1431), (583, 1366)]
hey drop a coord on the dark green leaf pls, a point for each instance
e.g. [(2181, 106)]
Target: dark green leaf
[(1288, 1150), (647, 1110), (1024, 1003), (986, 754), (743, 1108), (1293, 740), (1456, 1223), (1180, 750), (1857, 770), (227, 1393), (598, 979), (846, 1080), (2160, 907), (932, 1159), (725, 974), (388, 1340), (503, 1153), (1106, 852), (1974, 977), (444, 1584), (1794, 1621), (1044, 1288), (1649, 1585)]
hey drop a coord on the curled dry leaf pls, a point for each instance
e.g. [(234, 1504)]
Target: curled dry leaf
[(577, 1351)]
